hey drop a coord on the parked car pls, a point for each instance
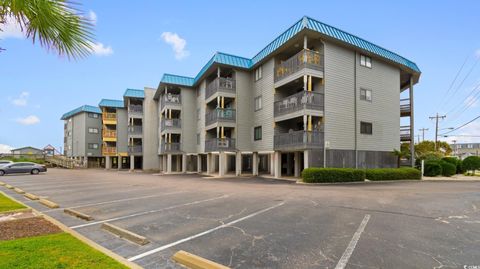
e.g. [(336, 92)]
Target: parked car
[(22, 167), (5, 162)]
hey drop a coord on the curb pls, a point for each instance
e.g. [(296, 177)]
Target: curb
[(2, 183), (20, 191), (82, 238), (31, 196), (192, 261), (77, 214), (9, 186), (122, 233), (48, 203)]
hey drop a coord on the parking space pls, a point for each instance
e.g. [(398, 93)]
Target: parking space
[(261, 223)]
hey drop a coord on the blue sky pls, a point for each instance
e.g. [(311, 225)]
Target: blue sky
[(136, 44)]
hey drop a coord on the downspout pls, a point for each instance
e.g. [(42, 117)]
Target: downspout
[(355, 108)]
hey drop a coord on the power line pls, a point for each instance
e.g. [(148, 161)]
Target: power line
[(463, 125), (465, 99), (423, 133), (465, 78), (437, 117), (456, 76)]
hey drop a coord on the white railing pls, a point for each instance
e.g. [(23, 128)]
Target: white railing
[(299, 101)]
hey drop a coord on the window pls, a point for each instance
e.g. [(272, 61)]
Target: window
[(257, 133), (93, 115), (365, 61), (470, 146), (198, 139), (366, 128), (93, 130), (366, 95), (258, 73), (92, 146), (258, 103)]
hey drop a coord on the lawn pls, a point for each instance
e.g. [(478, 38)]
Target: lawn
[(7, 204), (53, 251)]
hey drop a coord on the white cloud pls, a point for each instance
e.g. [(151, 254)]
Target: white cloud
[(101, 50), (5, 148), (10, 29), (92, 16), (477, 53), (29, 120), (178, 44), (468, 134), (21, 100)]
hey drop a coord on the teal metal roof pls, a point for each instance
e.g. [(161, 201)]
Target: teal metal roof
[(111, 103), (134, 93), (304, 23), (84, 108)]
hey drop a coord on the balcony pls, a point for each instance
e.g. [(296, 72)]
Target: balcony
[(220, 115), (405, 107), (299, 140), (109, 118), (225, 85), (109, 135), (305, 59), (170, 100), (133, 150), (135, 110), (135, 130), (405, 133), (170, 147), (109, 151), (294, 105), (220, 144), (170, 124)]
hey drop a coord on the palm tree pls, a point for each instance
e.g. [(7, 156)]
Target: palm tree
[(400, 154), (56, 24)]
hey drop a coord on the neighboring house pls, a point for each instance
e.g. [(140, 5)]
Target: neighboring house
[(50, 150), (82, 135), (464, 150), (316, 96), (26, 151)]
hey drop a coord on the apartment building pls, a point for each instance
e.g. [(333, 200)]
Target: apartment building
[(315, 96), (464, 150), (82, 135)]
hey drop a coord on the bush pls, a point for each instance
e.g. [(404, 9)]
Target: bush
[(326, 175), (471, 163), (456, 162), (432, 168), (448, 169), (393, 174)]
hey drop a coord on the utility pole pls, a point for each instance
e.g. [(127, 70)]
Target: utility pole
[(454, 147), (423, 133), (437, 117)]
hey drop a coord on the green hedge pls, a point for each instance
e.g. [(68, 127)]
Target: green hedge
[(393, 174), (448, 169), (327, 175), (432, 168), (455, 161), (471, 163)]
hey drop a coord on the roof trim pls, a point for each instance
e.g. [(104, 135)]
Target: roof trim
[(111, 103), (84, 108), (134, 93)]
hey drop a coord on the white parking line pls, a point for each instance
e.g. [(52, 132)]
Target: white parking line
[(116, 201), (148, 212), (353, 243), (142, 255)]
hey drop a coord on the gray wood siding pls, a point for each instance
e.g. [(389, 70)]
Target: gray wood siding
[(93, 138), (200, 118), (150, 131), (384, 109), (339, 97), (244, 106), (264, 117), (79, 132), (189, 120), (122, 123)]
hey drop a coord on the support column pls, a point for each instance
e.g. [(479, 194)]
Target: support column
[(209, 163), (289, 164), (306, 163), (132, 162), (412, 127), (108, 162), (255, 164), (178, 165), (169, 163), (222, 163), (278, 164), (199, 164), (165, 161), (272, 164), (296, 168), (238, 164), (184, 163), (119, 162)]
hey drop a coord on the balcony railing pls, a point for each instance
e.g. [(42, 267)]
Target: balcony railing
[(220, 115), (299, 101), (109, 150), (109, 116), (220, 144), (303, 59), (405, 133), (220, 84), (135, 109), (298, 140), (405, 107), (170, 99), (170, 124), (135, 130), (109, 133), (135, 149), (170, 147)]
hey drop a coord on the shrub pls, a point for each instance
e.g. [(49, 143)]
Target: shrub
[(471, 163), (432, 168), (456, 162), (393, 174), (326, 175), (448, 169)]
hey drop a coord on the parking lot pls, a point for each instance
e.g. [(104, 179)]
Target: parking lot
[(265, 223)]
